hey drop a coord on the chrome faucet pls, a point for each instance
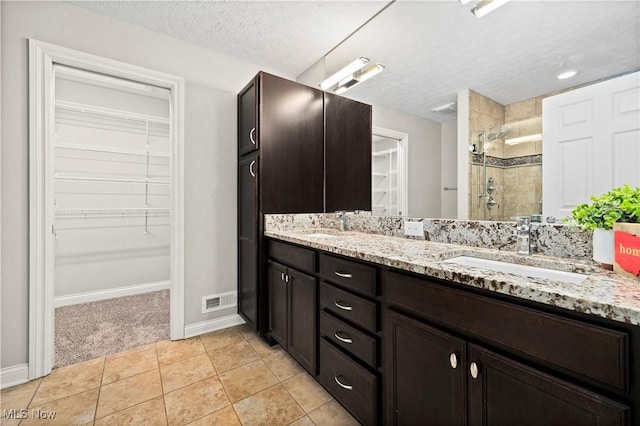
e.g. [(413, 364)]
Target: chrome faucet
[(522, 233), (342, 218)]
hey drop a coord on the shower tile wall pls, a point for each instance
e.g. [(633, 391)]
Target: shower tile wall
[(519, 187), (523, 191), (483, 114)]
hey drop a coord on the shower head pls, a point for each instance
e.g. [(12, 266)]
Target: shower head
[(503, 132)]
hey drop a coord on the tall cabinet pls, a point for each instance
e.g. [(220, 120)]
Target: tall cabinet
[(300, 150)]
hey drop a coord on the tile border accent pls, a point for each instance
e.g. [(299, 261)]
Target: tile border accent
[(203, 327), (14, 375), (95, 296), (525, 160)]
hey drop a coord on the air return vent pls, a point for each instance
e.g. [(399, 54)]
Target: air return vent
[(215, 302)]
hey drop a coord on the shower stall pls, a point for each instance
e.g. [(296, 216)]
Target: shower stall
[(506, 171)]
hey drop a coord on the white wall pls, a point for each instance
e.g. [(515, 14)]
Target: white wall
[(424, 158), (463, 155), (449, 173), (212, 81)]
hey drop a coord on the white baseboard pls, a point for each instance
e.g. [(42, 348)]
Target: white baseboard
[(198, 328), (14, 375), (94, 296)]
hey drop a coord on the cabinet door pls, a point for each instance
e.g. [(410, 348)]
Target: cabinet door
[(278, 321), (302, 319), (348, 154), (248, 239), (247, 124), (426, 380), (505, 392), (291, 146)]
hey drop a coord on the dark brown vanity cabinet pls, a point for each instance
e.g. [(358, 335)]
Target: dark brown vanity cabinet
[(248, 241), (349, 344), (308, 149), (248, 119), (293, 301), (347, 154), (440, 371)]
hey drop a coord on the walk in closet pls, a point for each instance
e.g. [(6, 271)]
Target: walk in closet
[(111, 185), (387, 176)]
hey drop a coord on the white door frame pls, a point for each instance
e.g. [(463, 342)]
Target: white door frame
[(403, 159), (42, 57)]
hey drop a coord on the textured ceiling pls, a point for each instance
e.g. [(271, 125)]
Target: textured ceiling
[(431, 49), (287, 36), (434, 49)]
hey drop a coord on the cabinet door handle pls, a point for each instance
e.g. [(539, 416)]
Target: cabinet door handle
[(343, 307), (253, 141), (343, 339), (453, 359), (473, 368), (342, 385), (344, 274), (253, 163), (282, 275), (286, 278)]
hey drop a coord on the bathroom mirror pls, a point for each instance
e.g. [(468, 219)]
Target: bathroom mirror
[(508, 60)]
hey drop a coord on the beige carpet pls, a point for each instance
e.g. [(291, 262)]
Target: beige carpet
[(90, 330)]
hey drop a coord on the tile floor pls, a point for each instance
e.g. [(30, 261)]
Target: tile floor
[(229, 377)]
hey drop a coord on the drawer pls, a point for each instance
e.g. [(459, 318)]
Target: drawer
[(595, 352), (355, 276), (351, 384), (360, 344), (349, 306), (298, 257)]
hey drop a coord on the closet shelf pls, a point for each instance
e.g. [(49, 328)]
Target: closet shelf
[(65, 178), (110, 112), (95, 148), (385, 152), (112, 212)]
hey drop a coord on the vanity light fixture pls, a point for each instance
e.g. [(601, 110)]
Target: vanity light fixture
[(357, 78), (521, 139), (567, 74), (487, 6), (344, 72)]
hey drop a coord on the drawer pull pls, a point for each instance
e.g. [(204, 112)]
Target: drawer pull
[(344, 274), (453, 359), (343, 307), (343, 339), (473, 368), (342, 385)]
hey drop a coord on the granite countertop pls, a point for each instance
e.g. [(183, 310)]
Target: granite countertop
[(603, 293)]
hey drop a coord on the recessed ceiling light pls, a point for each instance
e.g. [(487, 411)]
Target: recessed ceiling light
[(487, 6), (566, 74)]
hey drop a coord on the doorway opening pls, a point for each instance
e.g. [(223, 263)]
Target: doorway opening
[(389, 172), (107, 202)]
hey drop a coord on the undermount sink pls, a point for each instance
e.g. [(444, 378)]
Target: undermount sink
[(516, 269), (320, 235)]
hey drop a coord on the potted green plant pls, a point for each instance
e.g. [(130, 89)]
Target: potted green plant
[(621, 204)]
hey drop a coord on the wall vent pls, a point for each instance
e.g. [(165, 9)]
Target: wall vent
[(215, 302)]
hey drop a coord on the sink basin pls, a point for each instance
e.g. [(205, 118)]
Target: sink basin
[(523, 270), (320, 235)]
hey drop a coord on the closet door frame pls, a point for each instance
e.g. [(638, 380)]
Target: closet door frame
[(42, 57)]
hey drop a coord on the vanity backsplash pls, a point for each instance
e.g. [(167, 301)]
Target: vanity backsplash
[(547, 239)]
